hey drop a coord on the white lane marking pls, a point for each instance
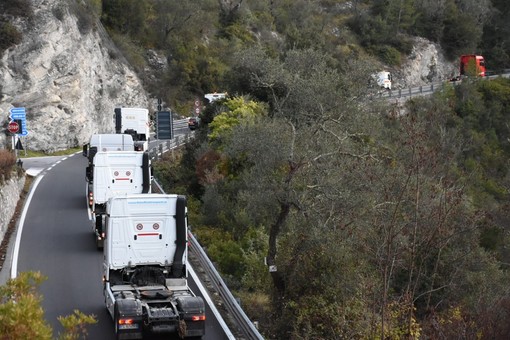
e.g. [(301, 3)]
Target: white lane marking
[(207, 298), (14, 267)]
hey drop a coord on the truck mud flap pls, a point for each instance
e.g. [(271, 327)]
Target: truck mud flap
[(127, 319), (192, 310), (99, 234)]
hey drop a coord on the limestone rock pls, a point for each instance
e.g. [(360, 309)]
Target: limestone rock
[(426, 64), (69, 81)]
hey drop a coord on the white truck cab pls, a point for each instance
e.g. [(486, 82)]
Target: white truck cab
[(383, 79), (135, 122), (144, 270), (114, 173), (108, 142)]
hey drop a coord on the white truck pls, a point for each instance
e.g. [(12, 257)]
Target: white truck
[(112, 173), (145, 268), (383, 79), (107, 142), (134, 121)]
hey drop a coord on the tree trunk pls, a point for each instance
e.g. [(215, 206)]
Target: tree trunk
[(274, 231)]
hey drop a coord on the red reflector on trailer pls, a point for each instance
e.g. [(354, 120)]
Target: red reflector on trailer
[(198, 318)]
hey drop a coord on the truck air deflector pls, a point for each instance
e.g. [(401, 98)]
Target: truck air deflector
[(146, 185), (180, 220), (118, 120)]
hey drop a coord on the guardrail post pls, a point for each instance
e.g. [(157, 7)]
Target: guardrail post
[(431, 87), (421, 89), (400, 93)]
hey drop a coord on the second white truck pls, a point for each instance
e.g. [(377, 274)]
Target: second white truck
[(113, 173)]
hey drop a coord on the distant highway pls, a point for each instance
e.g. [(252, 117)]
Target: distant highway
[(425, 90)]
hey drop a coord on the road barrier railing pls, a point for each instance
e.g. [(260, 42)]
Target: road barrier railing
[(244, 324)]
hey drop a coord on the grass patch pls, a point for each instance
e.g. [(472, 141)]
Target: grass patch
[(31, 153)]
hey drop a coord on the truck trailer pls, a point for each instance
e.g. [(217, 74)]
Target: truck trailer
[(135, 122), (112, 173), (145, 268)]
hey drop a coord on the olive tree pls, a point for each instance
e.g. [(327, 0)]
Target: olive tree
[(22, 317)]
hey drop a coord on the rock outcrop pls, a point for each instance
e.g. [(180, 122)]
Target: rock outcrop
[(10, 191), (426, 64), (68, 77)]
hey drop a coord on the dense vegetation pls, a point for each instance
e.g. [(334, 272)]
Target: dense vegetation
[(329, 215), (381, 222), (22, 317), (329, 218)]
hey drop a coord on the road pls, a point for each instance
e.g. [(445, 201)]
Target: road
[(55, 237)]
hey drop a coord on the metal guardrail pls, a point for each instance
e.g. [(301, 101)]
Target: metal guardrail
[(427, 89), (246, 327), (168, 145)]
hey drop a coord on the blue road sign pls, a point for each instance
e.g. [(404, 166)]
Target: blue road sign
[(17, 113), (20, 114)]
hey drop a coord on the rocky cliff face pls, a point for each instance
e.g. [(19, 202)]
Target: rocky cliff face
[(426, 64), (68, 80)]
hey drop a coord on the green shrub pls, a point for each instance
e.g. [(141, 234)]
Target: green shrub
[(9, 36), (17, 8), (386, 54), (7, 162), (225, 252), (390, 55), (86, 17)]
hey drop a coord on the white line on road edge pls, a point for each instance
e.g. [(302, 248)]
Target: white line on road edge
[(211, 304), (14, 267)]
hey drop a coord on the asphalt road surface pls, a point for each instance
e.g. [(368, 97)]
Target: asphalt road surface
[(55, 238)]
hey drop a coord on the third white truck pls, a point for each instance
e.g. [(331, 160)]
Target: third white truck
[(136, 122)]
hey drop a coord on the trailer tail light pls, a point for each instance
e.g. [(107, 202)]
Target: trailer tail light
[(127, 324), (126, 321), (198, 317), (91, 199)]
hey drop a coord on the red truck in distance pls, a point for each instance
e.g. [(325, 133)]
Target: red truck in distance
[(471, 64)]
